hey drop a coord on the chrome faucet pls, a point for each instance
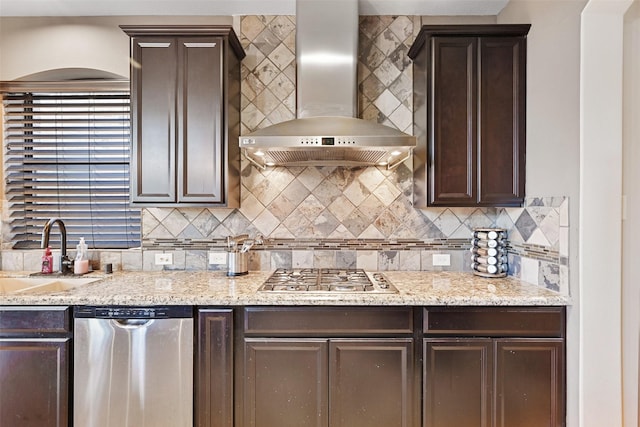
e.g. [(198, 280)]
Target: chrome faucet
[(66, 265)]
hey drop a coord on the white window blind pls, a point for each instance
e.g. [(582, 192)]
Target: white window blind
[(67, 156)]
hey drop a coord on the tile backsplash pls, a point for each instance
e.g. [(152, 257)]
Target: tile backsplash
[(338, 216)]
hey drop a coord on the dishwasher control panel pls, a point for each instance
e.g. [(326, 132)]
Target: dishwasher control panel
[(121, 312), (129, 313)]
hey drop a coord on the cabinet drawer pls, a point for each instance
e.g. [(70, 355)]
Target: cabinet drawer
[(334, 321), (34, 321), (490, 321)]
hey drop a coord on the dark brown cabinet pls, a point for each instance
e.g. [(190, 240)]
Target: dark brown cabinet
[(494, 367), (214, 368), (324, 367), (185, 102), (370, 382), (34, 366), (286, 382), (529, 382), (469, 115), (457, 386)]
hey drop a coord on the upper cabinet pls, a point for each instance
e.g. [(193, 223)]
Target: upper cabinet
[(185, 103), (469, 115)]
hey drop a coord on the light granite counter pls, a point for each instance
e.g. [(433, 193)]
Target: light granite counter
[(216, 289)]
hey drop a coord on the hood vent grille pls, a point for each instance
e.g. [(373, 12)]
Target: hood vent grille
[(314, 156)]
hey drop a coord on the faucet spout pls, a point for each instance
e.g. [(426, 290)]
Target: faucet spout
[(46, 233)]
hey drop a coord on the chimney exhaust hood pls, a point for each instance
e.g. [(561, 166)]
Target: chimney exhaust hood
[(326, 131)]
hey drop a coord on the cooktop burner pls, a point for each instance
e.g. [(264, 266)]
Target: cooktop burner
[(327, 280)]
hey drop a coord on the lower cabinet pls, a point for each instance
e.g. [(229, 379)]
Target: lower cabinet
[(335, 382), (317, 366), (370, 382), (285, 383), (34, 366), (513, 376), (214, 368), (457, 382), (320, 367), (529, 382)]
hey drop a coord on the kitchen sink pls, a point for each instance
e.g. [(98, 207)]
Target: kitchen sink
[(12, 285)]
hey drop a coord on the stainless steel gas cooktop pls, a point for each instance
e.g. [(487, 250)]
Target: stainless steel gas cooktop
[(323, 280)]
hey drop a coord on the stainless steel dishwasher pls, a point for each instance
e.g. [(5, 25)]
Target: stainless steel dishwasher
[(133, 367)]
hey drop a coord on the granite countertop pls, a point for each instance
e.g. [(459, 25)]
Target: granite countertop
[(215, 288)]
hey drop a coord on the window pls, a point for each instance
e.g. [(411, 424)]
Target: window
[(67, 156)]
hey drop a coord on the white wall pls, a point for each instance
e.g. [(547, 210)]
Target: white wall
[(631, 225), (37, 44), (553, 133), (601, 377)]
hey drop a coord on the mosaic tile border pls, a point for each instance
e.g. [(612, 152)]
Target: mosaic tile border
[(537, 252), (530, 251), (315, 244)]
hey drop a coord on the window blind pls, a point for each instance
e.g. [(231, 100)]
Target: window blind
[(67, 155)]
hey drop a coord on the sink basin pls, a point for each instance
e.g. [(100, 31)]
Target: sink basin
[(10, 285), (59, 285), (14, 285)]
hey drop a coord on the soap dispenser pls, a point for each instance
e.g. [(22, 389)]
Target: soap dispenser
[(47, 261), (81, 262)]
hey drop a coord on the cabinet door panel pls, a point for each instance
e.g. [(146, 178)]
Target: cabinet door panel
[(529, 383), (457, 382), (200, 132), (453, 147), (37, 322), (502, 126), (214, 378), (285, 383), (153, 120), (34, 388), (370, 383)]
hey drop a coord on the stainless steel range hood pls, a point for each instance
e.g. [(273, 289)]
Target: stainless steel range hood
[(326, 131)]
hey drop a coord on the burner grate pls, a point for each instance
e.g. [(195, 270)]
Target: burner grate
[(326, 280)]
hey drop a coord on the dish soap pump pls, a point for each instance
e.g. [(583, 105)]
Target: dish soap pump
[(81, 262), (47, 261)]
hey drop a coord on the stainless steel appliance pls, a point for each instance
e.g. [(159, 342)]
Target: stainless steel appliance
[(323, 280), (133, 367), (326, 130)]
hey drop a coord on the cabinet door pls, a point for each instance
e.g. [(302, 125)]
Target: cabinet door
[(371, 383), (214, 377), (285, 382), (457, 382), (502, 120), (200, 110), (34, 387), (153, 106), (529, 383), (453, 142)]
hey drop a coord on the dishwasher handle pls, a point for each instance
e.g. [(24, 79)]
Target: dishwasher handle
[(132, 323)]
